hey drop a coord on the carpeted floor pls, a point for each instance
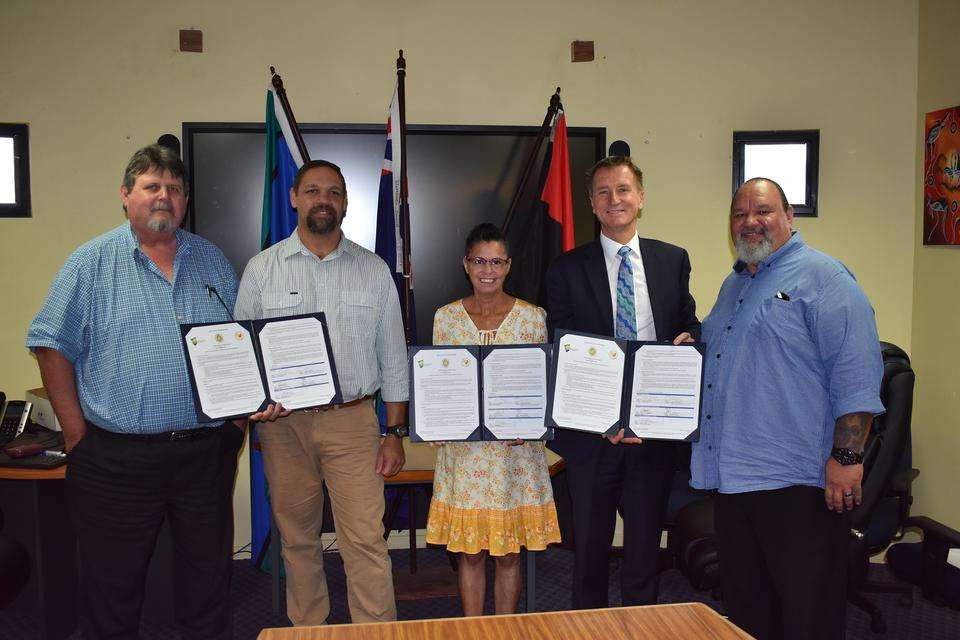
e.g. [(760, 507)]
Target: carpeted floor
[(252, 598)]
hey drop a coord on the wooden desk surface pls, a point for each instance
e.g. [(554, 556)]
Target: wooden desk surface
[(418, 469), (19, 473), (681, 621)]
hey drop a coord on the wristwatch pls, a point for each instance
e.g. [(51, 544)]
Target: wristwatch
[(401, 431), (846, 457)]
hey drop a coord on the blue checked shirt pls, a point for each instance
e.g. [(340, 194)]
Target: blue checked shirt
[(115, 316), (780, 370)]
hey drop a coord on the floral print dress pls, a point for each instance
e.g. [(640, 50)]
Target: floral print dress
[(490, 495)]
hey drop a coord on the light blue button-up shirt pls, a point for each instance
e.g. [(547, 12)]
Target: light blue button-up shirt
[(114, 315), (789, 350)]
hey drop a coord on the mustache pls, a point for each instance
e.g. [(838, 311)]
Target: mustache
[(325, 208), (161, 206), (744, 232)]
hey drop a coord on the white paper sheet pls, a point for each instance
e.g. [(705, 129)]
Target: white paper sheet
[(225, 369), (589, 383), (446, 396), (297, 363), (515, 393), (665, 400)]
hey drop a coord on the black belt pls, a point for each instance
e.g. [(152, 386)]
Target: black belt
[(165, 436)]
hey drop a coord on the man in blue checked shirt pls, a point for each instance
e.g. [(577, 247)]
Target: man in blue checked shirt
[(108, 344), (791, 385)]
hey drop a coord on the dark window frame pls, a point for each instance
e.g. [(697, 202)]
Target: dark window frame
[(21, 171), (810, 137)]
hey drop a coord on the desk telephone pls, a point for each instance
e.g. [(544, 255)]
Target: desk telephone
[(24, 444), (16, 413)]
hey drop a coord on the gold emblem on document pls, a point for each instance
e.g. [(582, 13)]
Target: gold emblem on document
[(445, 362)]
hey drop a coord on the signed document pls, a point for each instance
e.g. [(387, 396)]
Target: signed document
[(588, 383), (445, 394), (297, 362), (665, 398), (225, 370), (240, 368), (515, 392)]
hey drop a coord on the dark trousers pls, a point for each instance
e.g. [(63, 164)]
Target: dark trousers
[(636, 479), (783, 559), (119, 491)]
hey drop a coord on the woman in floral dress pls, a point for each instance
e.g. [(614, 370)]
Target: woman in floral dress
[(490, 497)]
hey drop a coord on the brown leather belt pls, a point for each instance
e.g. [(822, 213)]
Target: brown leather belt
[(342, 405)]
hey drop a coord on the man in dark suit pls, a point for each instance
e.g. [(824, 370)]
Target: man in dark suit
[(632, 288)]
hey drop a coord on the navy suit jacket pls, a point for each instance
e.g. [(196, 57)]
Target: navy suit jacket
[(578, 298)]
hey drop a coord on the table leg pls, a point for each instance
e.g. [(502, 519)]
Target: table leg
[(412, 524), (56, 561), (275, 566), (531, 590)]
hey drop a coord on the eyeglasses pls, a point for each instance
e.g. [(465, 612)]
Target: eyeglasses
[(496, 263)]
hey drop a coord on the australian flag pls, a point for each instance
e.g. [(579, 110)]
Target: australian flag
[(391, 218)]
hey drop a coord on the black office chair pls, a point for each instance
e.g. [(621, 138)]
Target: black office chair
[(14, 568), (885, 508)]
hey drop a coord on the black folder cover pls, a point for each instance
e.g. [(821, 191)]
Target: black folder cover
[(254, 327)]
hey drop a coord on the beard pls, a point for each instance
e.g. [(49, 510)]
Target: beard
[(323, 226), (752, 253), (161, 224)]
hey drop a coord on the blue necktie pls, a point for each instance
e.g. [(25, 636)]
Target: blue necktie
[(626, 324)]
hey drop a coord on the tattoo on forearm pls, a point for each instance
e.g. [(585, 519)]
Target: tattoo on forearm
[(851, 431)]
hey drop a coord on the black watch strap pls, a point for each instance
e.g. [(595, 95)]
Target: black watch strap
[(846, 457)]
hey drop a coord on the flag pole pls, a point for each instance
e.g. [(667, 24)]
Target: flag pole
[(277, 82), (548, 119), (404, 204)]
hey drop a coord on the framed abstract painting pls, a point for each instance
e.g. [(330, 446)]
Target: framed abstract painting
[(941, 177)]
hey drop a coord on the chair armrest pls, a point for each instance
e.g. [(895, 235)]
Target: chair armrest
[(903, 480), (935, 531), (937, 540)]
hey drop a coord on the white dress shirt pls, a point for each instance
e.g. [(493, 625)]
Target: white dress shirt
[(645, 328)]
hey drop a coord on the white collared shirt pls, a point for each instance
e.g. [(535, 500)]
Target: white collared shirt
[(645, 328)]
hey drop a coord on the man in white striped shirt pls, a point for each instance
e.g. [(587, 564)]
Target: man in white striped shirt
[(318, 269)]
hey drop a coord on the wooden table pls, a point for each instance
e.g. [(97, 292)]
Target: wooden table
[(35, 509), (661, 622)]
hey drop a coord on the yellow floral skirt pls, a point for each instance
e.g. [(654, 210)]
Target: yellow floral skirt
[(490, 496)]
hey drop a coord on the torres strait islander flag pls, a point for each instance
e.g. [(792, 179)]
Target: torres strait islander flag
[(542, 228), (283, 158)]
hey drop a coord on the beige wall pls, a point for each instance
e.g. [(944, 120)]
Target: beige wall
[(96, 80), (936, 305)]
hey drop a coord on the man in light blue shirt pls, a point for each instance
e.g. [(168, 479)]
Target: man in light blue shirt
[(108, 344), (791, 385)]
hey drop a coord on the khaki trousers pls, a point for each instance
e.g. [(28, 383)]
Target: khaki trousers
[(338, 447)]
